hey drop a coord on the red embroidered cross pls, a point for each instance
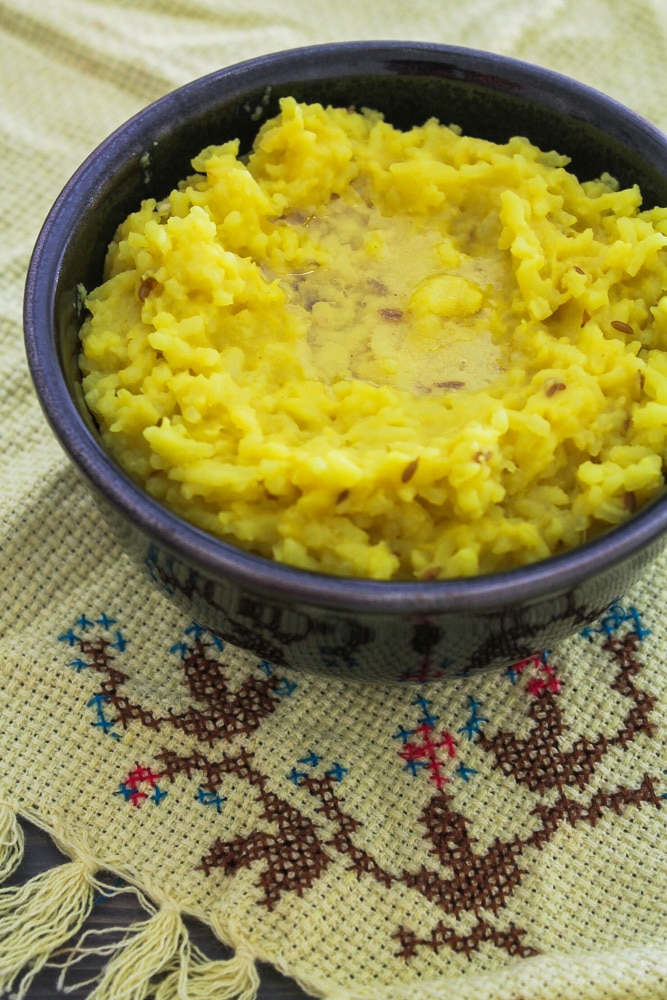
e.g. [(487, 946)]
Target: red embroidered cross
[(140, 775), (545, 680), (534, 661), (425, 753)]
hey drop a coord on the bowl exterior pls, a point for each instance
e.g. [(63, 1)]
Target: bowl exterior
[(378, 643)]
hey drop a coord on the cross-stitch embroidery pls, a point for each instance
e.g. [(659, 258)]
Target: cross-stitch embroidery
[(291, 851)]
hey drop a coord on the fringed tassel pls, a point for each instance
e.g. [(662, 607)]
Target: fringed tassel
[(149, 949), (156, 958), (203, 979), (39, 917), (11, 841)]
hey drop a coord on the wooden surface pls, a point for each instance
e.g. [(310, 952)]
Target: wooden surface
[(122, 910)]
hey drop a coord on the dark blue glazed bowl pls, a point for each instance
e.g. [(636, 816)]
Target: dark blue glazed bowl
[(377, 631)]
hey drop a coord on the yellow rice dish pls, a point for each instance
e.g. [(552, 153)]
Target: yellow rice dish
[(386, 354)]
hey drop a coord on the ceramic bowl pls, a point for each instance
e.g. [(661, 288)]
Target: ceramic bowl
[(349, 628)]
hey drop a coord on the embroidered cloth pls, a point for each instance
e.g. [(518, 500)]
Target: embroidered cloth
[(499, 837)]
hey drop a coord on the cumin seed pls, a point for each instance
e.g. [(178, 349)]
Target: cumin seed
[(555, 387), (622, 327), (145, 288), (630, 501), (391, 314), (409, 470)]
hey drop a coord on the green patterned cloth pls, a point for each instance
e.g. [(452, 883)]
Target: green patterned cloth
[(496, 837)]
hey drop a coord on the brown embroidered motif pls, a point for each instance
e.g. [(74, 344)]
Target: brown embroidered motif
[(292, 851), (538, 762), (509, 939), (477, 882), (292, 857), (569, 811), (225, 714)]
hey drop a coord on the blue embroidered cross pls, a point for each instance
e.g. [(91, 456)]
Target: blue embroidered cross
[(296, 776), (337, 772), (473, 726), (97, 702), (69, 637), (210, 799), (127, 793), (105, 621), (195, 630), (413, 766), (465, 772), (427, 719), (512, 674), (285, 688), (311, 760), (615, 617), (120, 644), (79, 664)]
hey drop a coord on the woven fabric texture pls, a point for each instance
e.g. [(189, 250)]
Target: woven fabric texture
[(499, 837)]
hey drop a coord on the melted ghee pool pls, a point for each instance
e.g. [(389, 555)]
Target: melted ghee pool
[(396, 304)]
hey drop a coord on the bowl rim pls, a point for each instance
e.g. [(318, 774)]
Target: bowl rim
[(486, 593)]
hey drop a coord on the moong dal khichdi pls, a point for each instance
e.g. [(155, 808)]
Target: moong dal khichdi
[(386, 354)]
